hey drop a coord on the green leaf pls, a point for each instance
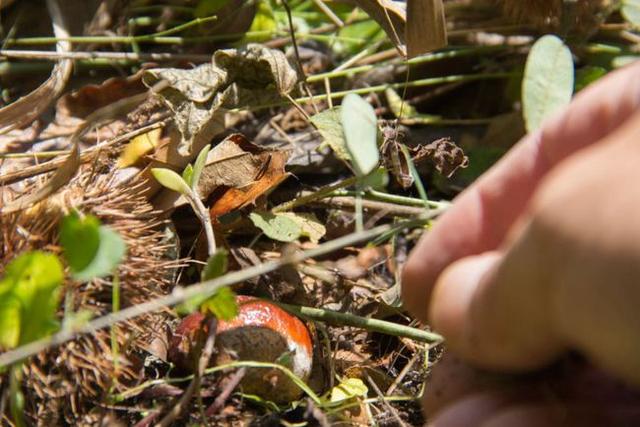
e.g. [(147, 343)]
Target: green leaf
[(360, 128), (398, 107), (92, 250), (199, 165), (263, 21), (110, 253), (171, 180), (276, 226), (216, 265), (222, 304), (631, 12), (548, 80), (187, 175), (29, 298), (309, 224), (348, 389), (10, 315), (330, 128), (80, 239), (587, 75), (378, 179)]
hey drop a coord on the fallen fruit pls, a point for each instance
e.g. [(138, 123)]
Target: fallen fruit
[(262, 332)]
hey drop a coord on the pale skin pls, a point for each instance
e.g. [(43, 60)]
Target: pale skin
[(541, 256)]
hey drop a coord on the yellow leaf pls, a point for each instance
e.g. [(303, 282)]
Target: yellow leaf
[(348, 389), (138, 147)]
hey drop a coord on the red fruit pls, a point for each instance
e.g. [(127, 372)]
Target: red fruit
[(261, 332)]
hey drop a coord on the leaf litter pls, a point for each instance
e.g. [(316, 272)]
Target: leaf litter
[(278, 180)]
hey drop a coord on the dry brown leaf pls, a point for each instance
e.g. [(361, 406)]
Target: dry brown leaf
[(234, 78), (257, 67), (426, 27), (268, 172), (391, 17), (29, 107), (89, 98)]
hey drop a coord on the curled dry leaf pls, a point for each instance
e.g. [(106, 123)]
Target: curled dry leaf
[(257, 67), (445, 155), (87, 99), (199, 97), (195, 97), (263, 168)]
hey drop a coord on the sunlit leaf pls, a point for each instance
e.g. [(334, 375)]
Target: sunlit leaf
[(80, 240), (548, 80), (171, 180), (198, 166), (216, 265), (263, 21), (310, 226), (222, 304), (360, 128), (348, 389), (276, 226), (29, 295), (398, 107), (92, 250), (187, 175), (138, 147), (631, 12), (330, 127)]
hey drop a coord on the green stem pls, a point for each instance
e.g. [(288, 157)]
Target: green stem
[(374, 325), (174, 40), (115, 307), (432, 57), (319, 194), (15, 395), (393, 198), (433, 81)]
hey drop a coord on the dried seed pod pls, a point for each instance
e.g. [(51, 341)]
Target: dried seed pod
[(262, 332)]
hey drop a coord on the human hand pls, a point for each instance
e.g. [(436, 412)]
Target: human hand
[(541, 255)]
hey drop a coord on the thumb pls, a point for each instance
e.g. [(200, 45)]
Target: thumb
[(494, 312)]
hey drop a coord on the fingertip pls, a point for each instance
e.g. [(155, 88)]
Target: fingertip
[(452, 298)]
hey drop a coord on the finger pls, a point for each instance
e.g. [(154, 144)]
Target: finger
[(566, 278), (482, 215), (492, 411), (494, 311)]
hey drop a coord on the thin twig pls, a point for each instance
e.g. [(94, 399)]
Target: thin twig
[(371, 205), (316, 195), (85, 156), (229, 387), (118, 56)]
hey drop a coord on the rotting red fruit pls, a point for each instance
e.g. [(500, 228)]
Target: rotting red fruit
[(262, 332)]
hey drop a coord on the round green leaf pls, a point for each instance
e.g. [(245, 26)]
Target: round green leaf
[(548, 80), (171, 180), (360, 128), (80, 239), (276, 226)]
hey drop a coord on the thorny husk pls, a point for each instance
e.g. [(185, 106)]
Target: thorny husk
[(62, 385)]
